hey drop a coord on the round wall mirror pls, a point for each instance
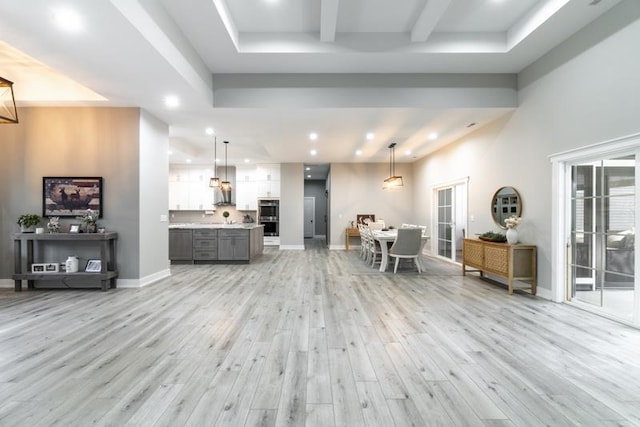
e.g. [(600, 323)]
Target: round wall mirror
[(505, 203)]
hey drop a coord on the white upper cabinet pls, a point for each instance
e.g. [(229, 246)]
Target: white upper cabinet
[(268, 180), (246, 189), (189, 188)]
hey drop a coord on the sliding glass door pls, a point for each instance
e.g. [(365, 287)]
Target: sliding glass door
[(602, 256)]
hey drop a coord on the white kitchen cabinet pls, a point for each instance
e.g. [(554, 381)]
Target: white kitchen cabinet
[(189, 188), (246, 189), (268, 180)]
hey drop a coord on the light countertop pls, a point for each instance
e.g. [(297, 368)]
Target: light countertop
[(241, 225)]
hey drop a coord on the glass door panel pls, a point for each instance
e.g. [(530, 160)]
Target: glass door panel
[(445, 215), (603, 235)]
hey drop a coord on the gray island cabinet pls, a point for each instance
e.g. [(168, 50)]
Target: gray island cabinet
[(200, 244)]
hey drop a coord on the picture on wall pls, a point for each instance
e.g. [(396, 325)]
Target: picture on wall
[(71, 197), (365, 218)]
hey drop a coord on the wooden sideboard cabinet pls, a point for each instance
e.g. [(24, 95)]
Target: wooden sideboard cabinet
[(512, 262)]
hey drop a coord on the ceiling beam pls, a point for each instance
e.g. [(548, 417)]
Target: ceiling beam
[(328, 20), (428, 19)]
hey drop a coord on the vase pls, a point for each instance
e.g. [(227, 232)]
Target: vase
[(92, 228), (512, 236), (71, 265)]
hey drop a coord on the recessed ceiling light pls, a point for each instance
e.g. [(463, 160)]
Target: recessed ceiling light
[(313, 136), (68, 20), (247, 160), (308, 176), (370, 136), (188, 160), (171, 101), (408, 152), (307, 168), (313, 152), (209, 131), (170, 153), (358, 152), (433, 135)]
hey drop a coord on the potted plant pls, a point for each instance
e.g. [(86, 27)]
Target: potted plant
[(28, 222), (90, 220), (225, 214)]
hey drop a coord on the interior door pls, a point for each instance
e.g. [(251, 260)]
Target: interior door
[(309, 217)]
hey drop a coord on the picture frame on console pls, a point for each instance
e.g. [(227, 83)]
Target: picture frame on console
[(71, 196)]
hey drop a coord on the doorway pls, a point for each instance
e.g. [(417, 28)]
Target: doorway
[(450, 219), (309, 217), (602, 235), (595, 211)]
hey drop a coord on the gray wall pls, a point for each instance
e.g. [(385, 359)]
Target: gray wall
[(154, 169), (106, 142), (316, 188), (291, 206), (577, 95)]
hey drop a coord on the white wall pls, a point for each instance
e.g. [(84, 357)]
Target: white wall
[(574, 99), (154, 178), (356, 188)]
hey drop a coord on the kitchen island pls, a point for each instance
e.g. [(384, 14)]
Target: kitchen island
[(215, 243)]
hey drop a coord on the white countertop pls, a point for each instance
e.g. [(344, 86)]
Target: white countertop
[(241, 225)]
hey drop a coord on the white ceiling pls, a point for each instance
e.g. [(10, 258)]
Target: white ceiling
[(266, 73)]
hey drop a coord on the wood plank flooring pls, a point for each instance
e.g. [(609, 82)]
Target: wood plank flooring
[(312, 338)]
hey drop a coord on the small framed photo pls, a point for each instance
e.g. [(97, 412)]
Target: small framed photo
[(93, 266), (44, 268), (74, 228)]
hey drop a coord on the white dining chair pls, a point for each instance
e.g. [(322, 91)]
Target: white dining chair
[(407, 245), (374, 248), (364, 242)]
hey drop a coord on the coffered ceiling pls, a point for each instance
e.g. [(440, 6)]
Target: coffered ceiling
[(266, 73)]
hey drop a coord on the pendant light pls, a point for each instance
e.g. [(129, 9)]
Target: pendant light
[(8, 111), (393, 180), (215, 181), (225, 185)]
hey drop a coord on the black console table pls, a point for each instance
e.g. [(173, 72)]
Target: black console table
[(22, 262)]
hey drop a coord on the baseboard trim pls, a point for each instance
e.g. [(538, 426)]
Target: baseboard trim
[(337, 247), (292, 247), (7, 283), (144, 281)]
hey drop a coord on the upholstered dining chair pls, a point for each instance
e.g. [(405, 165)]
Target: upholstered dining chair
[(407, 245)]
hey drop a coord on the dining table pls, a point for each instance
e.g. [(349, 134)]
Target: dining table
[(385, 237)]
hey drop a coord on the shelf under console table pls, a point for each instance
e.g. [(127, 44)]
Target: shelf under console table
[(512, 262), (24, 257)]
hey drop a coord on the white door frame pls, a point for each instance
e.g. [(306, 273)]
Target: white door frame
[(434, 216), (561, 211)]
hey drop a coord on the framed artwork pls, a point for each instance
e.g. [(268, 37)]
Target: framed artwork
[(74, 228), (93, 266), (366, 218), (71, 197)]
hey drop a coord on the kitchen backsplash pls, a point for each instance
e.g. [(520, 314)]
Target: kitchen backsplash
[(199, 217)]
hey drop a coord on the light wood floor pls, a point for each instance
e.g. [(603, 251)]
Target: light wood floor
[(312, 338)]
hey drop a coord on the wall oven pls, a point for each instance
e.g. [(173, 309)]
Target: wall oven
[(269, 216)]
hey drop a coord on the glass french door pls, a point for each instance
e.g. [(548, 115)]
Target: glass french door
[(602, 255), (451, 220)]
